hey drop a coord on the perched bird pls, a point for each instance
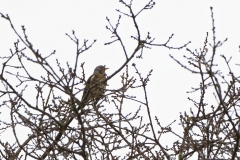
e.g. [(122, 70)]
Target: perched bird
[(95, 87)]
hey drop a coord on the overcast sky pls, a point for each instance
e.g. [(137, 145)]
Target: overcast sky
[(48, 21)]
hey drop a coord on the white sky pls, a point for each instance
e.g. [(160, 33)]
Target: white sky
[(48, 21)]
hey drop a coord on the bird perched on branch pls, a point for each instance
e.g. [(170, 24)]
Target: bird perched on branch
[(95, 85)]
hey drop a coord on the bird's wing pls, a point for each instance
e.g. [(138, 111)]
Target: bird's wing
[(87, 84)]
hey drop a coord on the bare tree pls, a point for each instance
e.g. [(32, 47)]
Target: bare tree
[(62, 126), (211, 131)]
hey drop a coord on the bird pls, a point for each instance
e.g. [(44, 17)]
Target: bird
[(95, 85)]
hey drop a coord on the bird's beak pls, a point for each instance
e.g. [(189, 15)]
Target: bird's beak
[(106, 69)]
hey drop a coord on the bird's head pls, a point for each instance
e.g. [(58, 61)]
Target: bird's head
[(100, 69)]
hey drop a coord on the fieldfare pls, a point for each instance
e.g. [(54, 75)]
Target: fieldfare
[(95, 85)]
